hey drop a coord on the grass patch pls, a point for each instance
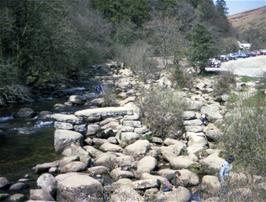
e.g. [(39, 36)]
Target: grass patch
[(247, 79)]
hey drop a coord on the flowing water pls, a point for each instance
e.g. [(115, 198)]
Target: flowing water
[(26, 142)]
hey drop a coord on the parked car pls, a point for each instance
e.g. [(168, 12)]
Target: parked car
[(223, 58), (214, 63), (251, 53), (263, 52), (242, 55), (232, 56)]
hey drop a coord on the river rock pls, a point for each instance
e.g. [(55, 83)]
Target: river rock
[(81, 128), (212, 112), (66, 118), (147, 176), (3, 182), (106, 159), (75, 166), (213, 161), (110, 147), (77, 99), (95, 153), (145, 184), (79, 188), (3, 196), (146, 164), (40, 195), (97, 102), (140, 147), (194, 105), (188, 178), (98, 170), (124, 160), (126, 138), (126, 194), (25, 113), (188, 115), (181, 162), (210, 184), (196, 138), (181, 194), (195, 122), (118, 173), (170, 141), (17, 198), (19, 186), (45, 166), (194, 129), (48, 183), (134, 124), (127, 129), (212, 132), (76, 150), (104, 112), (64, 138), (62, 125)]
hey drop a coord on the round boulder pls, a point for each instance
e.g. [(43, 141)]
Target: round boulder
[(79, 188), (48, 183)]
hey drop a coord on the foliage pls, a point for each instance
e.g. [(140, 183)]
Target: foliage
[(184, 79), (162, 112), (224, 83), (138, 57), (136, 11), (221, 7), (49, 38), (110, 97), (201, 47), (245, 136)]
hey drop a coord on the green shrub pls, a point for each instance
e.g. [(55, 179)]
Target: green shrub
[(245, 137), (184, 79), (162, 112), (225, 82)]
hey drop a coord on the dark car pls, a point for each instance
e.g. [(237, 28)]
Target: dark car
[(242, 55)]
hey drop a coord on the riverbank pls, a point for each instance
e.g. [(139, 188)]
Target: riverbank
[(107, 148)]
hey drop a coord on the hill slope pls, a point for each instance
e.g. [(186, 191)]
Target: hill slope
[(251, 26)]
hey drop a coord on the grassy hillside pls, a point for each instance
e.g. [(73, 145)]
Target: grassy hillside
[(251, 26)]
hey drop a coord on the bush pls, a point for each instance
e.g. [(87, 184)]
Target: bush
[(245, 137), (138, 57), (224, 83), (162, 112), (110, 97), (184, 79)]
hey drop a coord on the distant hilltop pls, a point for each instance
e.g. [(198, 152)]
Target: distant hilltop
[(245, 19)]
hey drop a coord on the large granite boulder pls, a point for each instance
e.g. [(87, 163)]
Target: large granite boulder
[(146, 164), (40, 195), (64, 138), (212, 112), (79, 188), (210, 184), (48, 183), (104, 112), (126, 194), (138, 148), (66, 118)]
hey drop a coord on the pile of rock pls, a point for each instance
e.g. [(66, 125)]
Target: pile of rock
[(109, 155)]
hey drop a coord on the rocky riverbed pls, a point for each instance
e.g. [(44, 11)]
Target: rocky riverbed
[(108, 154)]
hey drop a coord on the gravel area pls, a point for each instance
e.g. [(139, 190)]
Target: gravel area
[(253, 67)]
